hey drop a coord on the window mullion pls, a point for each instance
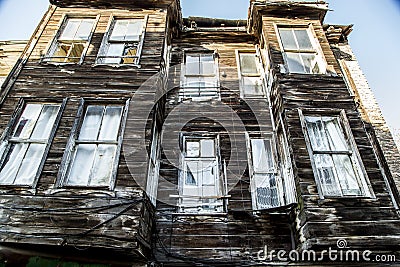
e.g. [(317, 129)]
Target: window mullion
[(92, 166)]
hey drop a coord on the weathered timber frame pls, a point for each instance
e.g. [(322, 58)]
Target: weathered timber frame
[(110, 27), (184, 76), (260, 68), (6, 136), (71, 145), (221, 175), (63, 22), (357, 163)]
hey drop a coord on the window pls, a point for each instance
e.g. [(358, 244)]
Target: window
[(154, 166), (24, 150), (200, 77), (71, 41), (251, 81), (123, 42), (300, 50), (95, 146), (269, 187), (337, 167), (200, 185)]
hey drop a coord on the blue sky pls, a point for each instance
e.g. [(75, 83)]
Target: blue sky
[(375, 38)]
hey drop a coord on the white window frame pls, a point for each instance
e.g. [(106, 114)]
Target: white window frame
[(220, 183), (8, 140), (259, 75), (154, 165), (316, 49), (353, 153), (51, 50), (101, 56), (205, 93), (69, 155)]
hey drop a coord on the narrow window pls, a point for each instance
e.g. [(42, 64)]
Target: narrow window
[(300, 52), (23, 153), (269, 188), (95, 149), (154, 166), (200, 79), (251, 82), (71, 42), (122, 44), (337, 168), (200, 185)]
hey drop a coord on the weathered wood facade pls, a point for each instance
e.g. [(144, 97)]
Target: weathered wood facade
[(50, 222)]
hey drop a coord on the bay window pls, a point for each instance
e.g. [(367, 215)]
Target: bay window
[(250, 74)]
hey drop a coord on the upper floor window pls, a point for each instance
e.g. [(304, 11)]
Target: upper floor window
[(270, 188), (250, 74), (300, 50), (336, 163), (201, 184), (92, 157), (71, 41), (23, 151), (123, 42), (200, 77)]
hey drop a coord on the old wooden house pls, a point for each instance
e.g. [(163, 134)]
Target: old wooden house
[(134, 137)]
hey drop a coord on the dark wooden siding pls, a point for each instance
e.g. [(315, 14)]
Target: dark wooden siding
[(322, 222), (120, 220), (228, 239)]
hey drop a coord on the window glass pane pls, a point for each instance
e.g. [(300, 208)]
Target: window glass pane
[(208, 172), (114, 50), (75, 53), (27, 121), (347, 175), (317, 134), (288, 40), (310, 62), (192, 173), (111, 122), (82, 165), (119, 30), (295, 63), (46, 122), (103, 165), (192, 149), (335, 134), (207, 65), (84, 29), (70, 29), (252, 86), (248, 64), (61, 52), (327, 176), (262, 155), (303, 39), (207, 148), (192, 65), (130, 51), (134, 30), (12, 163), (30, 164), (91, 123)]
